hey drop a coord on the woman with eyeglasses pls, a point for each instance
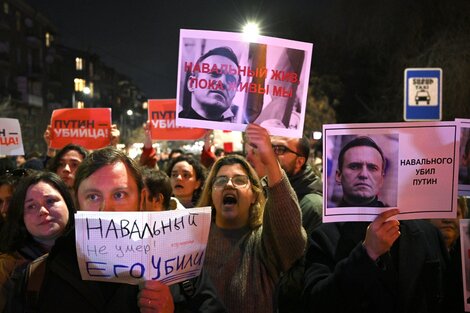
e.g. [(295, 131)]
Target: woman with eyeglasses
[(252, 239), (39, 212)]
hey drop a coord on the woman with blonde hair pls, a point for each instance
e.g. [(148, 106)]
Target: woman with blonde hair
[(252, 240)]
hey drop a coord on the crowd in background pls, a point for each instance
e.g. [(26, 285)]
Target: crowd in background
[(268, 250)]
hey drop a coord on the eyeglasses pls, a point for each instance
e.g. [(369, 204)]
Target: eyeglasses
[(280, 150), (238, 181)]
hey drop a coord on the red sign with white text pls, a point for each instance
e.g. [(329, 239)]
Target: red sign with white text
[(90, 128), (162, 117)]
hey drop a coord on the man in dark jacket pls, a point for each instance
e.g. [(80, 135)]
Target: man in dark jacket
[(292, 154), (381, 267)]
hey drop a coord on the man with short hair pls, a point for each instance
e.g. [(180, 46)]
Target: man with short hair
[(293, 154), (212, 91), (361, 172), (108, 180), (157, 191)]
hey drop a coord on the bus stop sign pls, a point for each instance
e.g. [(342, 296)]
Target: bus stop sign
[(423, 94)]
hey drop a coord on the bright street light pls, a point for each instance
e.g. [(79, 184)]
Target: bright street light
[(86, 90), (251, 31), (129, 112)]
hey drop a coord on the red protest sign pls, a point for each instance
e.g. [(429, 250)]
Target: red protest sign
[(90, 128), (162, 117)]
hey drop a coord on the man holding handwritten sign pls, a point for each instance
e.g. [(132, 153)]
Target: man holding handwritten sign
[(108, 180)]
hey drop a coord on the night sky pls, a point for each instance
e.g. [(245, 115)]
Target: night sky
[(140, 38)]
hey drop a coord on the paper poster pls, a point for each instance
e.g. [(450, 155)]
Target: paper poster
[(370, 168), (162, 117), (11, 142), (465, 250), (131, 247), (464, 157), (226, 82), (90, 128)]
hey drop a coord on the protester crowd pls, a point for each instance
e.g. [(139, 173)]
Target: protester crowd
[(268, 250)]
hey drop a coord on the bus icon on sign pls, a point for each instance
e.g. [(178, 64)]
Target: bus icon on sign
[(422, 96)]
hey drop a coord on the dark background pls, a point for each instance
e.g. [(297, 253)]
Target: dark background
[(361, 47)]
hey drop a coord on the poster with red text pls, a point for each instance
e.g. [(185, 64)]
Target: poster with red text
[(11, 142), (226, 80), (161, 114), (90, 128)]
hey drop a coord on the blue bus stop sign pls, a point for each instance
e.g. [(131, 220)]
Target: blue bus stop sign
[(423, 94)]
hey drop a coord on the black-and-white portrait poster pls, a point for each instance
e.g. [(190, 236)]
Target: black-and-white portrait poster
[(370, 168), (226, 81)]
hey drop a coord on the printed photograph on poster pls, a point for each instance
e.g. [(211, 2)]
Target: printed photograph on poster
[(11, 142), (226, 82), (464, 157), (370, 168), (366, 171), (465, 252)]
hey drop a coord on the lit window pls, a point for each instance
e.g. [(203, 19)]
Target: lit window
[(49, 39), (78, 64), (79, 84), (6, 8), (91, 86), (80, 104)]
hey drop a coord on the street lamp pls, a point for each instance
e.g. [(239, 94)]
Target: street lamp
[(251, 31)]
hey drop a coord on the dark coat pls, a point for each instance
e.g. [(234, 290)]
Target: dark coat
[(341, 277), (63, 290), (309, 190)]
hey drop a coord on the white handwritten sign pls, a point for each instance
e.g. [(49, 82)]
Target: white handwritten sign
[(130, 247)]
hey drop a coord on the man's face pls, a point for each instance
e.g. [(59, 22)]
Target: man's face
[(290, 162), (362, 174), (214, 91), (68, 165), (111, 188)]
